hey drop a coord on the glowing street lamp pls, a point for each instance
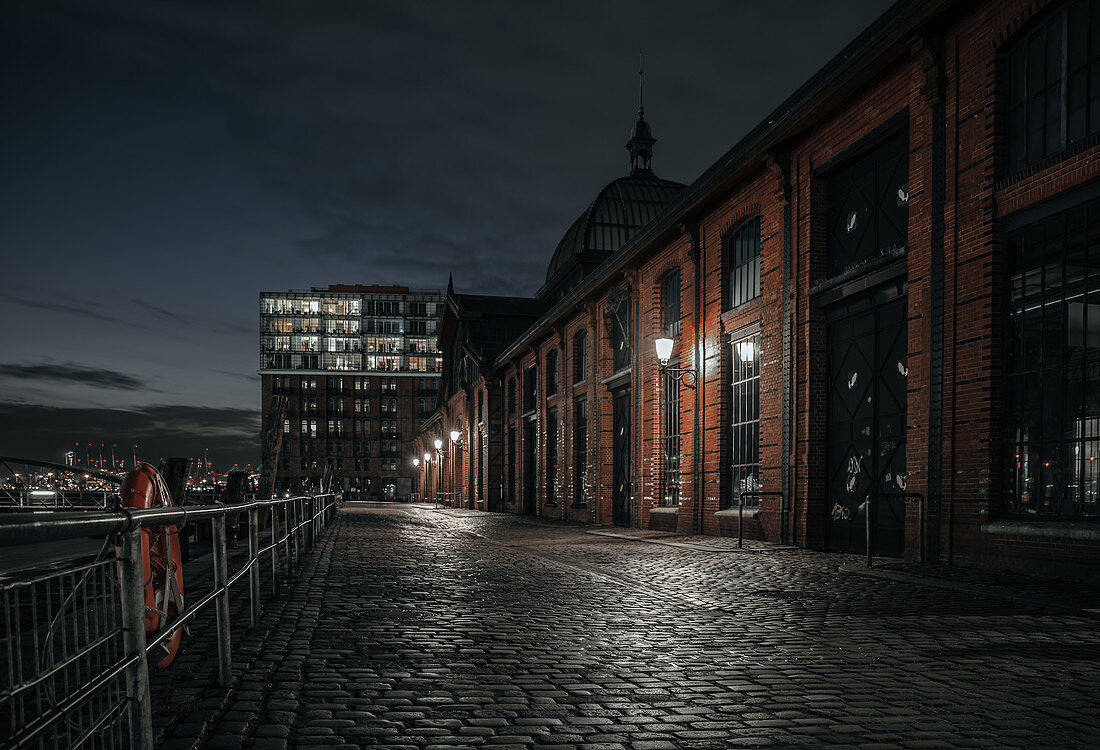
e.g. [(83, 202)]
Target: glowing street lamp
[(686, 375)]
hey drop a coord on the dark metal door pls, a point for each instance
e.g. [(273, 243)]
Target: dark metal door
[(866, 453), (620, 457)]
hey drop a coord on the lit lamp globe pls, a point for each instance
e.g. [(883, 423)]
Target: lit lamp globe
[(416, 462), (438, 444), (664, 350), (455, 435), (427, 457)]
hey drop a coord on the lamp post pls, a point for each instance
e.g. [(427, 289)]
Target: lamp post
[(428, 475), (438, 443), (456, 441), (416, 468)]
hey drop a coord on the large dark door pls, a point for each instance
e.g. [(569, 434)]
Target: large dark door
[(529, 466), (620, 457), (867, 392)]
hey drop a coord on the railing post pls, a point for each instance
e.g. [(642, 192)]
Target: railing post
[(274, 549), (286, 539), (299, 532), (740, 518), (867, 513), (221, 576), (254, 561), (132, 585)]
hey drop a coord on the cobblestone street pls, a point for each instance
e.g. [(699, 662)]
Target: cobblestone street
[(415, 627)]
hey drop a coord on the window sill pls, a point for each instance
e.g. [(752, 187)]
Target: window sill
[(664, 510), (733, 313), (734, 512), (622, 377), (578, 505), (1074, 531)]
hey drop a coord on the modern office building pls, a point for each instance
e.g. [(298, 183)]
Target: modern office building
[(349, 371)]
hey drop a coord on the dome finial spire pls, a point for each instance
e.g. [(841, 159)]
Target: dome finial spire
[(641, 140)]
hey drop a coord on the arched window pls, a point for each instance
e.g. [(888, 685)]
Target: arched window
[(743, 261), (551, 372), (580, 355), (670, 304)]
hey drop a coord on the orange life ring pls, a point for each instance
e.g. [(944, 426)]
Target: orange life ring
[(160, 556)]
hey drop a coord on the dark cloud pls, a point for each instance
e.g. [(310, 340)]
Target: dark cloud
[(231, 435), (165, 161), (73, 373), (84, 310)]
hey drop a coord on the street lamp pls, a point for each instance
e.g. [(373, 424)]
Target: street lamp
[(685, 375), (456, 437)]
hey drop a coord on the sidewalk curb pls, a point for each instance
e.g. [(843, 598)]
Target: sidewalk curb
[(980, 590), (689, 545)]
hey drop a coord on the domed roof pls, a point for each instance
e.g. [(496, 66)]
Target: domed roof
[(619, 210)]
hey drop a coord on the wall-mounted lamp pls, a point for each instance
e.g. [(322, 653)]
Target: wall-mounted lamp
[(416, 462), (427, 458), (438, 444), (685, 375)]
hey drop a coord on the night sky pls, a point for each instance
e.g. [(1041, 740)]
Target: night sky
[(161, 163)]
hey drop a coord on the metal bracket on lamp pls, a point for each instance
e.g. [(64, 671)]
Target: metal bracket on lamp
[(685, 375)]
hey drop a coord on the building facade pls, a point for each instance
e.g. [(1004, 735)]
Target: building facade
[(885, 309), (348, 372)]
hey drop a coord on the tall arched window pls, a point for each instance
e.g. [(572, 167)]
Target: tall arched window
[(580, 355), (743, 261), (551, 372), (670, 304)]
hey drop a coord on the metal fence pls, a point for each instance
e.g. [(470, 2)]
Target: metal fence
[(76, 654)]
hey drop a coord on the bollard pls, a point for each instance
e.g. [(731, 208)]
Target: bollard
[(254, 562), (221, 576), (132, 585)]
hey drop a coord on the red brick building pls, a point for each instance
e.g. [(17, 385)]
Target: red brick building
[(887, 294)]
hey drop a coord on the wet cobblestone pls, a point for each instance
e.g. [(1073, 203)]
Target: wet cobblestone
[(416, 628)]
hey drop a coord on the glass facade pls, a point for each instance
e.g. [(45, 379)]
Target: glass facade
[(350, 331), (1054, 369)]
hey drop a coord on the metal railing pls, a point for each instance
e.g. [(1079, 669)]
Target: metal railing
[(76, 654)]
